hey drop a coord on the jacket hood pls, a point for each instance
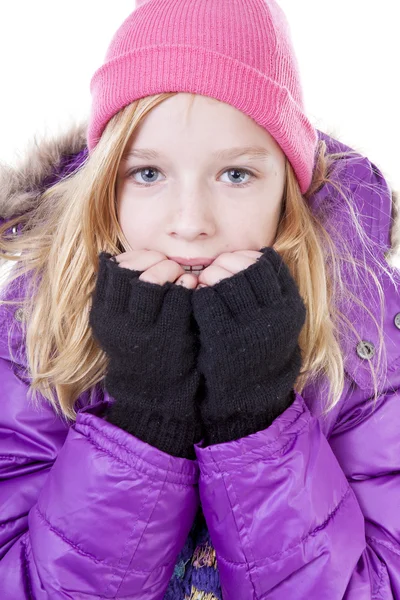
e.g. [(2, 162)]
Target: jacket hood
[(21, 185)]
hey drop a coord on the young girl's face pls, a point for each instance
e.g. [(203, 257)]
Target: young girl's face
[(185, 200)]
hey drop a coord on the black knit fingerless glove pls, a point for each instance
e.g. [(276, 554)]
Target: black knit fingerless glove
[(146, 331), (249, 327)]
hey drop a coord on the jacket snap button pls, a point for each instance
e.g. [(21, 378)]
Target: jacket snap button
[(19, 314), (397, 320), (365, 350)]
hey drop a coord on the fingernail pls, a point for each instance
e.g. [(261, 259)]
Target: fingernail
[(201, 285)]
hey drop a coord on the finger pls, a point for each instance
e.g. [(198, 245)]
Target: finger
[(160, 273), (225, 265), (234, 261), (189, 281), (213, 274), (139, 260), (251, 253)]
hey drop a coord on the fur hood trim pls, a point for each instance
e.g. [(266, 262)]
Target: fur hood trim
[(21, 185), (394, 256)]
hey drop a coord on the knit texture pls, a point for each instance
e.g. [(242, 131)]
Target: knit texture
[(196, 575), (146, 331), (237, 51), (249, 353)]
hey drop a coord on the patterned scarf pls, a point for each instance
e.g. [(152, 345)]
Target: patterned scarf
[(196, 575)]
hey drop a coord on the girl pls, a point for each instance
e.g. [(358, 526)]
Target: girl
[(226, 432)]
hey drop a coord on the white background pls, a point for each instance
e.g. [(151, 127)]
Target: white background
[(347, 52)]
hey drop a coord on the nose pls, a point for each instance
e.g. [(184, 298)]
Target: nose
[(192, 217)]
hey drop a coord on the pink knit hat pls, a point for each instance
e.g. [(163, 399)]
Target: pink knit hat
[(236, 51)]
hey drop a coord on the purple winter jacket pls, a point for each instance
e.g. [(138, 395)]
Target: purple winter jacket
[(308, 508)]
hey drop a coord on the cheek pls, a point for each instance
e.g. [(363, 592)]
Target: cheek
[(274, 218), (254, 227), (125, 219), (136, 221)]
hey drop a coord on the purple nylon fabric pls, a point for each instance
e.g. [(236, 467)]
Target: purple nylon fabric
[(308, 508)]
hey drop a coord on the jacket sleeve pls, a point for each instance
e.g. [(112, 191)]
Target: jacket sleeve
[(292, 515), (86, 510)]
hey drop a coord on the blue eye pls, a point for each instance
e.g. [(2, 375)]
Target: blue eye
[(235, 171), (149, 173), (146, 170)]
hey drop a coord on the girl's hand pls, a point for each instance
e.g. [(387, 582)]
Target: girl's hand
[(249, 324), (146, 331), (156, 267), (226, 265)]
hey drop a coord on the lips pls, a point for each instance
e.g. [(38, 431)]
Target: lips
[(192, 262)]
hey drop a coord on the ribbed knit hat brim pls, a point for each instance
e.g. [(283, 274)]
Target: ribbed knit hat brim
[(236, 51)]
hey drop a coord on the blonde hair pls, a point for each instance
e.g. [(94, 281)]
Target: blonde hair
[(76, 219)]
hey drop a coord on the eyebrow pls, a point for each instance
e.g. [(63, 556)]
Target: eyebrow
[(254, 152)]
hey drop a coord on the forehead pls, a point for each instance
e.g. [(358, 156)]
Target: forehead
[(192, 121)]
